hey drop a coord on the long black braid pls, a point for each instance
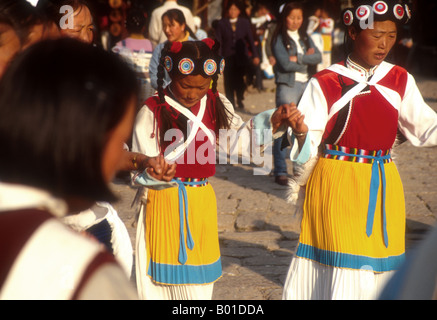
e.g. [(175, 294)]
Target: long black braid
[(166, 119)]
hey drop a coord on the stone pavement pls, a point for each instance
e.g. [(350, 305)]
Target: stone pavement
[(257, 229)]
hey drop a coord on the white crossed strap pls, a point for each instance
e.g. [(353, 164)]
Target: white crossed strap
[(196, 122), (383, 69)]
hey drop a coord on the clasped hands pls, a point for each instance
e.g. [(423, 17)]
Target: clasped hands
[(290, 116), (160, 169), (157, 167)]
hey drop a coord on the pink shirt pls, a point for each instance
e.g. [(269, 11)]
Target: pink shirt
[(136, 44)]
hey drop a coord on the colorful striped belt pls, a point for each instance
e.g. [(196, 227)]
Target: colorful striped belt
[(377, 159), (183, 207)]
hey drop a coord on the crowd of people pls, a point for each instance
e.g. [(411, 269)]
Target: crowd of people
[(73, 114)]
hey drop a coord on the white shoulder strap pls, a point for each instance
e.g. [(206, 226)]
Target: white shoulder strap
[(384, 68), (196, 122)]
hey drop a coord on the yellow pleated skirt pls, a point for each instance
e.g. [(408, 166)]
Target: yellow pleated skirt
[(333, 229), (163, 236)]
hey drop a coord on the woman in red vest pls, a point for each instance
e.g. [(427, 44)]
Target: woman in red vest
[(353, 226)]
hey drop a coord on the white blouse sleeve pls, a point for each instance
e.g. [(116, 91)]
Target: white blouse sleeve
[(145, 133), (259, 127), (314, 107), (236, 121), (417, 121)]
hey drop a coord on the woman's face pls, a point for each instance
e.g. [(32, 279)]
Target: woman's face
[(371, 46), (113, 151), (173, 29), (233, 12), (10, 45), (83, 26), (188, 90), (294, 19)]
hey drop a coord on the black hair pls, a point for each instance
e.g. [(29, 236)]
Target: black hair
[(135, 21), (239, 4), (22, 16), (59, 99), (281, 27), (194, 50), (178, 16)]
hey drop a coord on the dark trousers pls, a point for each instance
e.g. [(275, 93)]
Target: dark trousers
[(234, 80)]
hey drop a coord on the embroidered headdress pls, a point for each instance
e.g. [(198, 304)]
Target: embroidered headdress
[(365, 12), (180, 59)]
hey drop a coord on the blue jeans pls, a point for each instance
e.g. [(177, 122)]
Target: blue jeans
[(284, 95)]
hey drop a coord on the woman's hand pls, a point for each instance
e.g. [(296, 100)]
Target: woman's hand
[(296, 120), (311, 51), (293, 58), (160, 169), (289, 115), (280, 116)]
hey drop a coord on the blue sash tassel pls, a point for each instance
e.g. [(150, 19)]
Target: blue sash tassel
[(183, 207), (377, 167)]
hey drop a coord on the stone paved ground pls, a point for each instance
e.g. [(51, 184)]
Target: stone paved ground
[(258, 232)]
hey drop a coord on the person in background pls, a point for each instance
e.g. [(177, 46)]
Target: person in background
[(156, 29), (175, 29), (137, 51), (81, 24), (199, 32), (313, 30), (294, 51), (260, 21), (326, 27), (72, 125), (265, 23), (234, 32)]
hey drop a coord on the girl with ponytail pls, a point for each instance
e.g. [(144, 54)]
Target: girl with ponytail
[(178, 254)]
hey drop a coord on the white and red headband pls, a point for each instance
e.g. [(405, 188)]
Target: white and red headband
[(378, 11)]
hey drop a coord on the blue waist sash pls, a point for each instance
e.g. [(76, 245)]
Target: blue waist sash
[(377, 173), (183, 207)]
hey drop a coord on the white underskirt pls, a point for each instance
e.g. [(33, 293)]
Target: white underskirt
[(310, 280)]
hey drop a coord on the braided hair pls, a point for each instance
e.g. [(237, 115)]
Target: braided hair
[(207, 63)]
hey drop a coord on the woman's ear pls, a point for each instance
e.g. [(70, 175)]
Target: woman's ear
[(352, 31)]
